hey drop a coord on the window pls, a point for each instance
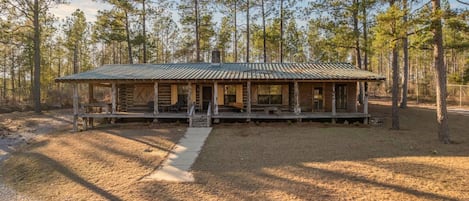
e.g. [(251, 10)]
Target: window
[(341, 96), (269, 94), (230, 94), (182, 94)]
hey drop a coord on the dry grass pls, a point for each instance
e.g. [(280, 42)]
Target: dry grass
[(94, 165), (307, 161)]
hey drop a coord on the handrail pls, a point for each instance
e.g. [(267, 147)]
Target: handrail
[(191, 114), (209, 114)]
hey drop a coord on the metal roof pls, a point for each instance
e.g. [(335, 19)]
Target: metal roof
[(224, 71)]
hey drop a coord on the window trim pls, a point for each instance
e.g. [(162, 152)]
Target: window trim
[(270, 95)]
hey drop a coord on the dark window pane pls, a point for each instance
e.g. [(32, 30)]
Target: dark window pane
[(276, 99), (263, 99), (230, 99)]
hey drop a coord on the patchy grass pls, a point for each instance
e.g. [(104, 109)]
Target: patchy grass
[(268, 161)]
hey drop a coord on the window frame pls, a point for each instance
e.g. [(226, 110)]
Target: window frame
[(270, 98), (229, 97)]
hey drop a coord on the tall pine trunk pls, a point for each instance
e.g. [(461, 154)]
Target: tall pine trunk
[(263, 32), (440, 75), (235, 33), (395, 87), (395, 77), (4, 95), (281, 31), (405, 44), (37, 59), (247, 31), (358, 57), (197, 36), (127, 33), (144, 29)]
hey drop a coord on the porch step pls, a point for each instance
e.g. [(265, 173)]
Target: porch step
[(200, 121)]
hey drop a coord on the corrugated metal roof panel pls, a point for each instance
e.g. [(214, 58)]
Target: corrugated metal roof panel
[(228, 71)]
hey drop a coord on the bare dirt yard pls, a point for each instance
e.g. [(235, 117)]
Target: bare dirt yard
[(266, 161)]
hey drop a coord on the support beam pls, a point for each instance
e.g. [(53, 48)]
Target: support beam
[(215, 98), (248, 97), (114, 98), (296, 91), (75, 107), (189, 97), (333, 103), (155, 100)]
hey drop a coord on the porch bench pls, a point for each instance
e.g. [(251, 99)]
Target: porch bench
[(272, 110), (236, 107), (97, 107)]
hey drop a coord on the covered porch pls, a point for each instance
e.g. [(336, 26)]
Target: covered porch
[(221, 99)]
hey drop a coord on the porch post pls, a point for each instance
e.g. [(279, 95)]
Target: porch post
[(113, 98), (155, 99), (365, 103), (357, 94), (90, 100), (297, 99), (75, 107), (90, 93), (333, 103), (189, 97), (248, 89), (215, 98)]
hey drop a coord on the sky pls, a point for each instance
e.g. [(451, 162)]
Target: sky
[(90, 8)]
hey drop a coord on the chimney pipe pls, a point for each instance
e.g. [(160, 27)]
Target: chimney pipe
[(216, 57)]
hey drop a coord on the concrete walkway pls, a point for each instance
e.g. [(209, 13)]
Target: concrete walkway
[(177, 165)]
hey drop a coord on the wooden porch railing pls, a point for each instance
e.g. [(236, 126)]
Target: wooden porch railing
[(191, 114), (209, 114)]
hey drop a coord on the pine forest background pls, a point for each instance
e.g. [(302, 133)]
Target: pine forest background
[(36, 47)]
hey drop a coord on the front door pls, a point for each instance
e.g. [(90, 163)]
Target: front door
[(206, 96), (318, 99)]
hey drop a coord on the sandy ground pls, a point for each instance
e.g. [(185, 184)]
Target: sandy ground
[(269, 161), (102, 164), (20, 128)]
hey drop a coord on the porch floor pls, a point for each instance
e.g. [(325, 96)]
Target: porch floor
[(229, 115)]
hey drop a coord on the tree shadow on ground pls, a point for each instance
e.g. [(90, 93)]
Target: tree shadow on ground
[(64, 171), (250, 162)]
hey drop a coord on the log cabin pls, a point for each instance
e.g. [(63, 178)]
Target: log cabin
[(204, 93)]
